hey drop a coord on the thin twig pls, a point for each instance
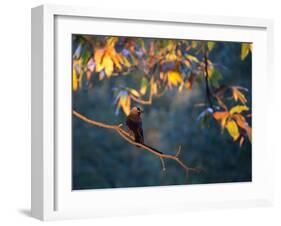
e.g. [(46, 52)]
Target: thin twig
[(125, 135), (208, 92)]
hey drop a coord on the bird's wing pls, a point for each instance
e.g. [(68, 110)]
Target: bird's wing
[(140, 132)]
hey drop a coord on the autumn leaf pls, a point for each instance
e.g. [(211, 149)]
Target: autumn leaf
[(134, 92), (98, 56), (74, 80), (174, 77), (238, 109), (232, 129), (107, 65), (245, 49), (153, 88), (237, 95), (241, 121), (192, 58), (210, 45), (144, 84), (218, 115)]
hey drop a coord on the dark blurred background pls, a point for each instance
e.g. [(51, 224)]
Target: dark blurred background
[(102, 159)]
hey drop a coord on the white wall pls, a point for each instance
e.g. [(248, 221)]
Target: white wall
[(15, 112)]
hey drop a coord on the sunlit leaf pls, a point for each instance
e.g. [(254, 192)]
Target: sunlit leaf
[(237, 95), (211, 45), (171, 57), (215, 77), (245, 49), (192, 58), (218, 115), (174, 77), (144, 84), (134, 92), (107, 65), (187, 63), (241, 121), (194, 44), (98, 56), (125, 61), (125, 102), (153, 88), (238, 109), (232, 129), (74, 80)]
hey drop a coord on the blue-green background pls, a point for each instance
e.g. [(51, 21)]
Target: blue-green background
[(102, 159)]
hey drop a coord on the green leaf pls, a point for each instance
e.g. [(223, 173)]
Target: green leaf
[(86, 56), (215, 78)]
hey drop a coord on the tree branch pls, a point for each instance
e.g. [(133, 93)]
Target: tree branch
[(208, 92), (126, 136)]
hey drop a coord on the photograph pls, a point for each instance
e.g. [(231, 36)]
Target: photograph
[(150, 111)]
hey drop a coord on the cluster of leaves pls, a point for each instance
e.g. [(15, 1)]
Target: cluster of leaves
[(162, 65)]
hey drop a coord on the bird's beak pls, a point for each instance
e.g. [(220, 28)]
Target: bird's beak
[(141, 111)]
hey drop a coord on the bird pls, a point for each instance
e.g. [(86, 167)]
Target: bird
[(134, 124)]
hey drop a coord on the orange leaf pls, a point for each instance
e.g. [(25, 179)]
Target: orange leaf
[(218, 115)]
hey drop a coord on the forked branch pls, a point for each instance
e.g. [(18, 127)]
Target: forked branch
[(126, 136)]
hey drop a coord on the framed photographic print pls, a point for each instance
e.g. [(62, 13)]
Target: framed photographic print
[(137, 112)]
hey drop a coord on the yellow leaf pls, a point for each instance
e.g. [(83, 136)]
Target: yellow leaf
[(74, 80), (187, 63), (223, 122), (125, 61), (238, 109), (144, 84), (98, 56), (115, 58), (232, 129), (174, 77), (108, 65), (134, 92), (171, 56), (245, 49), (192, 58), (153, 88), (125, 102), (211, 45)]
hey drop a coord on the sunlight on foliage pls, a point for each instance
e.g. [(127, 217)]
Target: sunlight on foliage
[(162, 66), (245, 49)]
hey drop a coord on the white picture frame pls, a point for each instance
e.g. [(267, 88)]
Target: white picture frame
[(51, 193)]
